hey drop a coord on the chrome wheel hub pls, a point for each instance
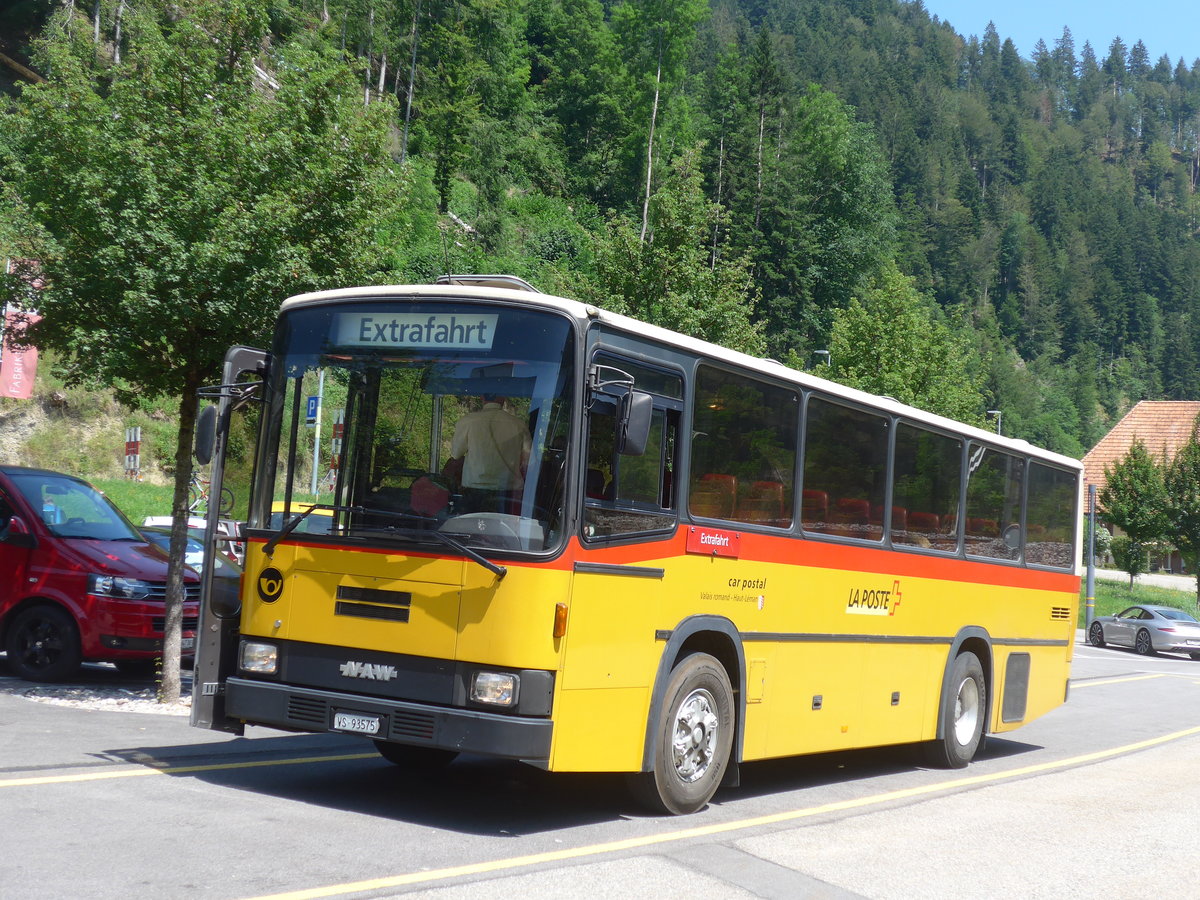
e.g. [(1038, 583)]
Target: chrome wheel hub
[(695, 737)]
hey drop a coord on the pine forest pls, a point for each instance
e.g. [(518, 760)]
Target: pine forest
[(848, 186)]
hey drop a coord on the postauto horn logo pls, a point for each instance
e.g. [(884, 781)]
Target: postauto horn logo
[(270, 584)]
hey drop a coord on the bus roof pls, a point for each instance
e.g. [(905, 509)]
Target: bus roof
[(588, 312)]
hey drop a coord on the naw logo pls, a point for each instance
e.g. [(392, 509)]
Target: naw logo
[(874, 602), (369, 671)]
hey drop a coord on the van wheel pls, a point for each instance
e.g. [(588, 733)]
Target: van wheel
[(963, 712), (693, 739), (43, 644)]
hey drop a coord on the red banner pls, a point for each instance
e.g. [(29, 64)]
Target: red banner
[(17, 367)]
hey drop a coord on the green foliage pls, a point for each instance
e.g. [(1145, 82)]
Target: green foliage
[(137, 499), (1103, 543), (668, 279), (1111, 597), (1181, 480), (177, 192), (894, 342), (1135, 500), (1130, 556), (1047, 207)]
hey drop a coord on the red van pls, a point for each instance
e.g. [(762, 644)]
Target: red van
[(77, 580)]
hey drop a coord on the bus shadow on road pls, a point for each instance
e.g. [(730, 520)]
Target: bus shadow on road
[(474, 795), (801, 773), (498, 798)]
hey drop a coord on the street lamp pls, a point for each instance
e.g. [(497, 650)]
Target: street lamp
[(825, 355), (999, 415)]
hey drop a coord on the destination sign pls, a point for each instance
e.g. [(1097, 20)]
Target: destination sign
[(442, 331)]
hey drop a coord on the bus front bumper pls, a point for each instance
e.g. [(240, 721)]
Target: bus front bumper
[(466, 731)]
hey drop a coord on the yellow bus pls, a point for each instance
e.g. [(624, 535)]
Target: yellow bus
[(692, 558)]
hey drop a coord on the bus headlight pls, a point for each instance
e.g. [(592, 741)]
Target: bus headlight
[(262, 659), (495, 688)]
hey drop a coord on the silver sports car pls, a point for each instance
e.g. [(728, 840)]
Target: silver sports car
[(1148, 629)]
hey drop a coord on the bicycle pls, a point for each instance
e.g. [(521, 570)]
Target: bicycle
[(198, 491)]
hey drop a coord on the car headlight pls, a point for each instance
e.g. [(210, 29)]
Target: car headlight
[(495, 688), (261, 659), (122, 588)]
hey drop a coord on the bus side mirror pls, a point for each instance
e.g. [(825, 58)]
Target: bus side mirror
[(206, 435), (633, 423)]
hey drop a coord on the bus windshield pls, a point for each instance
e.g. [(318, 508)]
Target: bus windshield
[(403, 419)]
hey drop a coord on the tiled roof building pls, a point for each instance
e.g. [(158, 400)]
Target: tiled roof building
[(1162, 425)]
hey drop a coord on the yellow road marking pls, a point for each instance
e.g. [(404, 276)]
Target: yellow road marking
[(1084, 684), (533, 859), (177, 770)]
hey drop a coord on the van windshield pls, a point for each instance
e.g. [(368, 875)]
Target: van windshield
[(74, 509)]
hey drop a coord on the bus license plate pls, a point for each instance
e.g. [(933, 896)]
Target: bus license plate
[(355, 723)]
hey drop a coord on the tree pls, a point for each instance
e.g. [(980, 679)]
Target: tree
[(1181, 480), (893, 342), (177, 197), (658, 35), (1134, 499), (669, 279)]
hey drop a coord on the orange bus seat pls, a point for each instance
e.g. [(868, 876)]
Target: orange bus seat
[(724, 485)]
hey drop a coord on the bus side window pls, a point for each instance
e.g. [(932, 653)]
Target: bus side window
[(629, 495), (926, 484), (743, 449), (994, 488), (845, 465), (1050, 517)]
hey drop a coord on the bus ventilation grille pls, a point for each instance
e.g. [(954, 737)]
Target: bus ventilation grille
[(1060, 612), (306, 709), (411, 725)]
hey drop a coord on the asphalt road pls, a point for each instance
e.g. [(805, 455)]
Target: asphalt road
[(111, 804)]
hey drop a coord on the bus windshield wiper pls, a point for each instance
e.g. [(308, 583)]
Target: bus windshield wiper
[(452, 543), (498, 571), (293, 522), (473, 555)]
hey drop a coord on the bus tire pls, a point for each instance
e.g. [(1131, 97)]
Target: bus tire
[(419, 759), (964, 708), (43, 644), (693, 739)]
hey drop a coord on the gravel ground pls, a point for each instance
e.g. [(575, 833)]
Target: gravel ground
[(101, 688)]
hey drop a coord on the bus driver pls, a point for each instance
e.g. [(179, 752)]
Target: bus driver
[(494, 447)]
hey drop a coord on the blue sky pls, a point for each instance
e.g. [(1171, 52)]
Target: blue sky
[(1164, 26)]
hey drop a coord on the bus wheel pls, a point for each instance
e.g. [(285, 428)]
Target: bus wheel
[(693, 739), (43, 644), (963, 712), (422, 759)]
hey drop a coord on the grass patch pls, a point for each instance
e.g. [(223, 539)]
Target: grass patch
[(1114, 596), (137, 499)]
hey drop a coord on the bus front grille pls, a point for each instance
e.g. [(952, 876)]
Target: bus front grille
[(306, 709), (411, 725)]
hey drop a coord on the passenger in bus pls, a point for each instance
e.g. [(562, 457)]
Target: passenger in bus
[(494, 447)]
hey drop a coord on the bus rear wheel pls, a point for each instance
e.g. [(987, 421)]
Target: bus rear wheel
[(963, 712), (693, 739), (421, 759)]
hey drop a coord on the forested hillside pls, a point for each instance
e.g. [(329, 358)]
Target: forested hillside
[(959, 227)]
